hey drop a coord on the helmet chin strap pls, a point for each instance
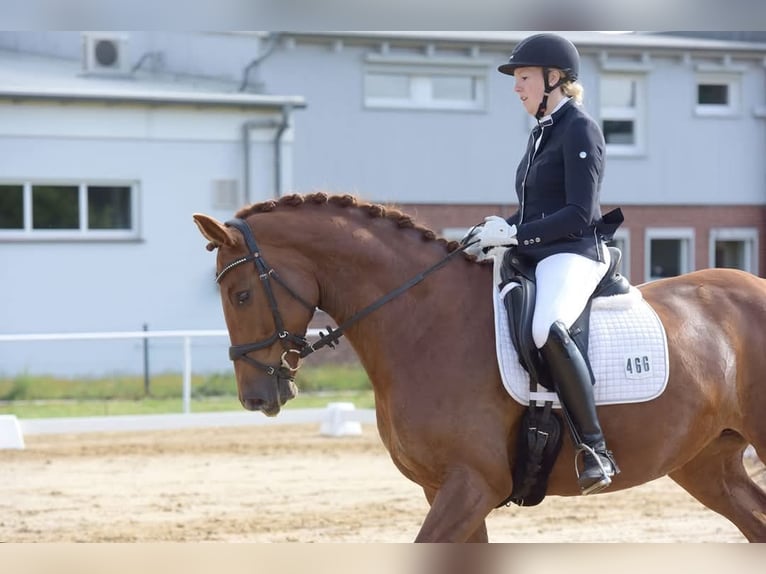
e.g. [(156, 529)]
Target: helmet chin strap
[(548, 89)]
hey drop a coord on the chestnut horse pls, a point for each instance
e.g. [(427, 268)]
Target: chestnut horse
[(442, 411)]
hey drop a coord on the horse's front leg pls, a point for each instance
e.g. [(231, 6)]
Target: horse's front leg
[(480, 534), (459, 507)]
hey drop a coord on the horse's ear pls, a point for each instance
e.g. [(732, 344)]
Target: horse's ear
[(213, 230)]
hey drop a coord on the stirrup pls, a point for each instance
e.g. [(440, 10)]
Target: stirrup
[(606, 475)]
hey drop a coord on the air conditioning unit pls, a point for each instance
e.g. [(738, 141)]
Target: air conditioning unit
[(105, 53)]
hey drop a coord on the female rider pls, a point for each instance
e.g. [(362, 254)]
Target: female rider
[(558, 226)]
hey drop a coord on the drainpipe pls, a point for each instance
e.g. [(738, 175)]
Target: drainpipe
[(271, 43), (280, 126), (283, 125)]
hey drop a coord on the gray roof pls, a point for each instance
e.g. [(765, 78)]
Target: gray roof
[(28, 76), (601, 40)]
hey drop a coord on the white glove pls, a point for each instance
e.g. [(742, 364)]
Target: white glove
[(496, 231), (493, 232)]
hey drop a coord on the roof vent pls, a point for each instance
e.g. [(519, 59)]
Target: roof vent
[(105, 53)]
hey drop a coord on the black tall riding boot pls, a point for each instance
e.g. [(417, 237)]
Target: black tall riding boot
[(574, 385)]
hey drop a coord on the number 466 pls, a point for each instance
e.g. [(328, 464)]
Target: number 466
[(637, 365)]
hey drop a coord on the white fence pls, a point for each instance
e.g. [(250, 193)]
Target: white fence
[(185, 336), (337, 419)]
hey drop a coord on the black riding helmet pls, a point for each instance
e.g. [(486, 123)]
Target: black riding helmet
[(545, 51)]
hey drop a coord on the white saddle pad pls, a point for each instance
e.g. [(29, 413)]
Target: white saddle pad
[(627, 347)]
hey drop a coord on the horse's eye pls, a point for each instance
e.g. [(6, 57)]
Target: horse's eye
[(243, 297)]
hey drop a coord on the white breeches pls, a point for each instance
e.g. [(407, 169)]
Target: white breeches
[(565, 281)]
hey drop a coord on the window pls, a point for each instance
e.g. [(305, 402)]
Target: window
[(669, 252), (442, 92), (713, 94), (387, 87), (109, 207), (735, 248), (425, 83), (55, 207), (717, 94), (454, 88), (11, 207), (68, 210), (622, 113)]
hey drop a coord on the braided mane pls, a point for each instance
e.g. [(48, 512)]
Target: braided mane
[(374, 210)]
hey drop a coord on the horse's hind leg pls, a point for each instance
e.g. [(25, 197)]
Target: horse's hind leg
[(718, 479)]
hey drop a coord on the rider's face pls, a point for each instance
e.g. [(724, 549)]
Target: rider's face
[(529, 87)]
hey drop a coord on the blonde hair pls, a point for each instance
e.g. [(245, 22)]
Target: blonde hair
[(573, 90)]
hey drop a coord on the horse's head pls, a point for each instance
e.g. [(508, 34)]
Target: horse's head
[(267, 311)]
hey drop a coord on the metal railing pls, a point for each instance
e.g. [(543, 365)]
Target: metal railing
[(185, 335)]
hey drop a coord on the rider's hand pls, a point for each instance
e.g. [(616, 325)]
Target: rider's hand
[(493, 232), (496, 231)]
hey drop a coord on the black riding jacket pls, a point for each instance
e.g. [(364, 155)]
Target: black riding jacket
[(558, 186)]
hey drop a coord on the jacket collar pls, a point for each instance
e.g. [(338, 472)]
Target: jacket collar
[(559, 110)]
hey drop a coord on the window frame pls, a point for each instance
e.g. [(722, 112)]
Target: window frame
[(421, 72), (82, 232), (685, 234), (636, 114), (733, 80), (747, 235)]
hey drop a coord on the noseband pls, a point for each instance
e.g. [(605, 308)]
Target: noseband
[(291, 343)]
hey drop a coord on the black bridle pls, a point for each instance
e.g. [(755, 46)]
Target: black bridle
[(302, 348), (266, 273)]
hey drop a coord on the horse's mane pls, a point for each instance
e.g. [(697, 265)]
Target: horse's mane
[(373, 210)]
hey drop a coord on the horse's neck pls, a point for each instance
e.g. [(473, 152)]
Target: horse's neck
[(361, 272), (358, 260)]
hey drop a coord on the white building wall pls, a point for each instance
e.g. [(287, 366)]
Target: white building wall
[(405, 156), (692, 159), (416, 156), (165, 277)]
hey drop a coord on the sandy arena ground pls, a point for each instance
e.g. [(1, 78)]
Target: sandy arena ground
[(287, 484)]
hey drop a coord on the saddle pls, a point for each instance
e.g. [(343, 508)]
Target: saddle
[(539, 437), (520, 304)]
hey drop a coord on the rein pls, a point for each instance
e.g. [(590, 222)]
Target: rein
[(333, 335), (303, 347)]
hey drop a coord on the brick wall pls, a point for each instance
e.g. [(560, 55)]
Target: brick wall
[(701, 218)]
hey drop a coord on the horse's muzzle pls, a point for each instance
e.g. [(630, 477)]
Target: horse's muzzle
[(269, 399), (270, 409)]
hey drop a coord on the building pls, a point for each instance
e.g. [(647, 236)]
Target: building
[(110, 141)]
